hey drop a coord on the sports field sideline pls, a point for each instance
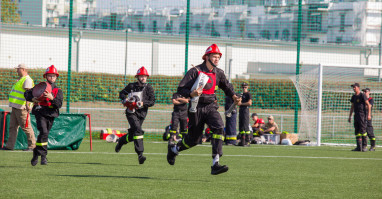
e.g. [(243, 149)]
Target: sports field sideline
[(259, 171)]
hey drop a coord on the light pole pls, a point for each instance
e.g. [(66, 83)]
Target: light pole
[(77, 39)]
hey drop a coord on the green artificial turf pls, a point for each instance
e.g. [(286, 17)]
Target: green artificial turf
[(259, 171)]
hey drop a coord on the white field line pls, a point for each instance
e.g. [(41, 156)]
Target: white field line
[(248, 156)]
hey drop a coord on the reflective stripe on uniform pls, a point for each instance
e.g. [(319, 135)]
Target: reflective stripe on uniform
[(248, 132), (41, 144), (358, 135), (365, 134), (216, 136), (372, 138), (138, 137), (271, 132), (185, 132), (242, 132), (185, 144), (230, 137), (172, 131)]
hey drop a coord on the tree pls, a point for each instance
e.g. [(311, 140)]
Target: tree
[(9, 10)]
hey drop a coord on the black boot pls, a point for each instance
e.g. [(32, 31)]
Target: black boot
[(218, 169), (364, 143), (44, 161), (141, 159), (372, 145), (359, 144), (35, 158), (170, 154), (120, 143)]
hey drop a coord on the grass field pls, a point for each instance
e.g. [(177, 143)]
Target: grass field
[(259, 171)]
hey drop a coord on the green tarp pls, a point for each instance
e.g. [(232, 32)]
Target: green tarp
[(67, 132)]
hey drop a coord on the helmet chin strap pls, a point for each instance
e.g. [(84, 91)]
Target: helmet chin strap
[(211, 62), (141, 83)]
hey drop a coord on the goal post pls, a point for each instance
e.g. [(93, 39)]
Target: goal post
[(324, 91)]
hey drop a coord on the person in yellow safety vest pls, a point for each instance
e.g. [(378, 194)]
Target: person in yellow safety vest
[(45, 112), (271, 127), (20, 110)]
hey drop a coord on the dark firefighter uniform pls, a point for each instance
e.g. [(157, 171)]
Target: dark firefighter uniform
[(179, 116), (360, 118), (230, 127), (244, 120), (206, 109), (369, 126), (136, 119), (45, 114)]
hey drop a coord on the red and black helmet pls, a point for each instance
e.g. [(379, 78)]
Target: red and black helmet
[(51, 70), (212, 49), (142, 71)]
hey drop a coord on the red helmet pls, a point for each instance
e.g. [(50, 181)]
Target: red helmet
[(51, 70), (212, 49), (142, 71), (260, 121)]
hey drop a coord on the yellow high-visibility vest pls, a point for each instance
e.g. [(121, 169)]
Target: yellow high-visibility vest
[(16, 97)]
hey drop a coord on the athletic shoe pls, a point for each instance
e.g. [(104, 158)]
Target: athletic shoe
[(364, 149), (356, 149), (218, 169), (141, 159), (44, 161), (34, 159), (170, 154), (118, 146), (372, 149)]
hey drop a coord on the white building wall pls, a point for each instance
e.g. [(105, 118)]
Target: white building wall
[(105, 52)]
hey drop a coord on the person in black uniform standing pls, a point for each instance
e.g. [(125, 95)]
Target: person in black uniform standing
[(206, 110), (136, 114), (246, 101), (45, 113), (179, 116), (369, 126), (359, 104), (230, 127)]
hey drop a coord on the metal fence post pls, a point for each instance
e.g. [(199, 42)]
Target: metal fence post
[(69, 56), (296, 102), (187, 36)]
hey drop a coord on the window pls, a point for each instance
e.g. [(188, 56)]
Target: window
[(342, 23), (315, 19)]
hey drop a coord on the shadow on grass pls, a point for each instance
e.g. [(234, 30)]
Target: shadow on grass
[(130, 177), (91, 163), (104, 176)]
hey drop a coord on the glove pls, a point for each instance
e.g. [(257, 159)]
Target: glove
[(124, 101)]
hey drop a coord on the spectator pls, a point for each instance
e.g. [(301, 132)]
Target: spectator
[(20, 110), (271, 127), (258, 125)]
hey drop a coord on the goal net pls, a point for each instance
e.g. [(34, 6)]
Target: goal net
[(335, 93)]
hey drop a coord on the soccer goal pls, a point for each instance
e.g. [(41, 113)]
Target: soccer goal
[(325, 91)]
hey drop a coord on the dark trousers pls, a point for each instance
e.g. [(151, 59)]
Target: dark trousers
[(360, 130), (179, 117), (205, 114), (230, 129), (370, 132), (44, 124), (244, 125), (135, 133)]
